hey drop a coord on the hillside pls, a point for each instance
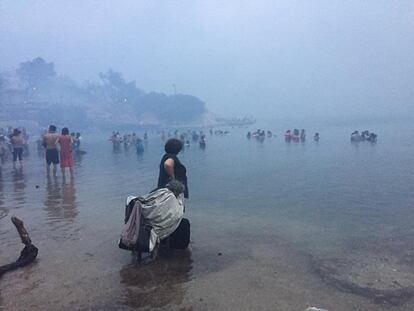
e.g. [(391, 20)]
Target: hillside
[(34, 92)]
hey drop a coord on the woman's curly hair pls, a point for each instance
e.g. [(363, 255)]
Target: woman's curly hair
[(173, 146)]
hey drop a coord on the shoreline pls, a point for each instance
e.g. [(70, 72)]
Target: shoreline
[(226, 269)]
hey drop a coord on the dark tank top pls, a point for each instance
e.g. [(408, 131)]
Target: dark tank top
[(180, 173)]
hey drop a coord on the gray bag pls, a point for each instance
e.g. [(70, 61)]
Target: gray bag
[(130, 232)]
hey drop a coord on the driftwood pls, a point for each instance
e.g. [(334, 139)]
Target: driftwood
[(29, 252)]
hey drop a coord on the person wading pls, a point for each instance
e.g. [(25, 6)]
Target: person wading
[(50, 140), (66, 159), (170, 167), (17, 142)]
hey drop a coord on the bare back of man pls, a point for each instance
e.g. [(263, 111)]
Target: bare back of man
[(50, 140), (52, 156)]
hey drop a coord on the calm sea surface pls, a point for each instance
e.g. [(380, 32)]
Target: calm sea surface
[(318, 197)]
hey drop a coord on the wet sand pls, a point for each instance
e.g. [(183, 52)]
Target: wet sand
[(225, 269)]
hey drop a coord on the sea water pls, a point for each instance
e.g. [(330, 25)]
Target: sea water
[(324, 198)]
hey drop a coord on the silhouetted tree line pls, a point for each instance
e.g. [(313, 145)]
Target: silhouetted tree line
[(35, 91)]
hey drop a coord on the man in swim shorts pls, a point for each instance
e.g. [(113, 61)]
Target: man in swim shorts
[(50, 140)]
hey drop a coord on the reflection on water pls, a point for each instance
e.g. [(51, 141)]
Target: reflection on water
[(77, 157), (159, 283), (41, 152), (19, 186), (60, 203), (3, 210), (116, 148), (69, 199)]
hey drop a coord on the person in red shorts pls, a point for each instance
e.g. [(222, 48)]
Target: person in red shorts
[(66, 159)]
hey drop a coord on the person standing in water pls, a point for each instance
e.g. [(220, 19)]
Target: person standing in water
[(17, 143), (50, 140), (171, 167), (66, 159)]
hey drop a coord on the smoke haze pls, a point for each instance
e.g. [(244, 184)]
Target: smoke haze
[(270, 59)]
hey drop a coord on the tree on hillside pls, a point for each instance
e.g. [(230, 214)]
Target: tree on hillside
[(118, 88), (32, 73), (115, 80), (112, 79), (173, 108)]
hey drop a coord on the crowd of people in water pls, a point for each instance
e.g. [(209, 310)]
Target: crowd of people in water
[(196, 137), (75, 137), (128, 140), (290, 135), (186, 137), (13, 144), (356, 136), (259, 134), (295, 135), (58, 149)]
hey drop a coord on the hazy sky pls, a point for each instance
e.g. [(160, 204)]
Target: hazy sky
[(263, 58)]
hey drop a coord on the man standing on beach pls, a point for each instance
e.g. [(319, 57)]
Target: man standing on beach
[(50, 140)]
